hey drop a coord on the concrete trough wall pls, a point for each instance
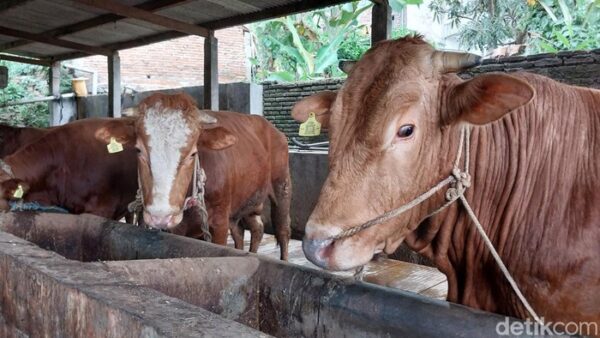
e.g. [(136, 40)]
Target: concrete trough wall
[(288, 300)]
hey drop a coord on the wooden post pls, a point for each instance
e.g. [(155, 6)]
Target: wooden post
[(114, 85), (381, 22), (211, 72), (54, 105)]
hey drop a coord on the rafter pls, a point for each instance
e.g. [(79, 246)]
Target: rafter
[(94, 22), (303, 6), (53, 41), (15, 58), (140, 14)]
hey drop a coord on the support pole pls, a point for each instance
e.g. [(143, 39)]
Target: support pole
[(211, 72), (381, 22), (114, 85), (54, 105)]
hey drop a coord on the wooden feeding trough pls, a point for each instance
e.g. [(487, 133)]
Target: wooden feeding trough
[(66, 275)]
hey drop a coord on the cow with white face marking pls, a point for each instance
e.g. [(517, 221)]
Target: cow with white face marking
[(243, 171)]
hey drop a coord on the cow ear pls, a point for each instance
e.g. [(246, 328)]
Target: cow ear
[(486, 98), (13, 189), (217, 138), (121, 130), (319, 103)]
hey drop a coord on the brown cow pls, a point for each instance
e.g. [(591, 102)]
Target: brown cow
[(13, 138), (68, 167), (169, 134), (394, 129)]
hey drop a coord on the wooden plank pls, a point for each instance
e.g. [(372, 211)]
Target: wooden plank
[(114, 85), (32, 61), (381, 22), (439, 291), (54, 105), (407, 276), (143, 15), (9, 4), (53, 41), (211, 73), (94, 22), (383, 271)]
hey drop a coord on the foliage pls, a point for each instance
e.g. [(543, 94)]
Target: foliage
[(484, 24), (558, 25), (543, 25), (25, 81), (308, 46)]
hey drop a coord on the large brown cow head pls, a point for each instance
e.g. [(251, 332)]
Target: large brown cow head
[(167, 133), (390, 130)]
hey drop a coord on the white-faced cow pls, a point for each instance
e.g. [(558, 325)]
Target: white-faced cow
[(535, 165), (243, 171)]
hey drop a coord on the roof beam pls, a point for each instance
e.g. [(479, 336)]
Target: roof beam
[(140, 14), (14, 58), (274, 12), (53, 41), (8, 4), (94, 22), (303, 6)]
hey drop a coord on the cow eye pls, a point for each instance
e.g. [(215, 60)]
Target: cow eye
[(406, 131), (194, 154), (138, 150)]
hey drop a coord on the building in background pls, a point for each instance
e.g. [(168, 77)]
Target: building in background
[(174, 63)]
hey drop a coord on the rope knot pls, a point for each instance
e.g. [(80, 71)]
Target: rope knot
[(462, 181)]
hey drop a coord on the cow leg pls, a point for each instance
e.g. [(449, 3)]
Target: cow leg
[(220, 228), (257, 229), (280, 213), (237, 233)]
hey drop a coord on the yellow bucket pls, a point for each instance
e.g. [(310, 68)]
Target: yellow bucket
[(79, 86)]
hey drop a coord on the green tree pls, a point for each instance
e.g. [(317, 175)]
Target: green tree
[(309, 45), (25, 81), (542, 25)]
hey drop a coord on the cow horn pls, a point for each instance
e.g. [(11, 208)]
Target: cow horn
[(347, 66), (206, 118), (449, 62)]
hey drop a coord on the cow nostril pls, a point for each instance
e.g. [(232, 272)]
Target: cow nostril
[(317, 251)]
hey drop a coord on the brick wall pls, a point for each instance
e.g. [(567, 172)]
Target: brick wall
[(577, 68), (174, 63)]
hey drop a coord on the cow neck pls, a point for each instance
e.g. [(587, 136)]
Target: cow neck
[(458, 180)]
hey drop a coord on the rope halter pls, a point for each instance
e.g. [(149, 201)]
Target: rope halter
[(459, 180), (195, 202)]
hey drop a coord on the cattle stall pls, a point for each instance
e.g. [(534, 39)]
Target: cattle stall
[(67, 275)]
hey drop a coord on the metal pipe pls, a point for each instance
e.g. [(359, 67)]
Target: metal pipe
[(36, 99)]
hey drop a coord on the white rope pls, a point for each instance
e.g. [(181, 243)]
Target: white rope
[(499, 261), (459, 181)]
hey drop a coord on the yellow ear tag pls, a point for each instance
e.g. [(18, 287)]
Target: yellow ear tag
[(19, 192), (113, 146), (310, 127)]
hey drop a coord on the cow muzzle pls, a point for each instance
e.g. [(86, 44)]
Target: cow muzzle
[(162, 222), (318, 251)]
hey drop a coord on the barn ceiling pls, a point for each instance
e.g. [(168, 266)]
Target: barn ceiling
[(44, 31)]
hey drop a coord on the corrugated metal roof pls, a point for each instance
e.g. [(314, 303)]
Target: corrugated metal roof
[(90, 26)]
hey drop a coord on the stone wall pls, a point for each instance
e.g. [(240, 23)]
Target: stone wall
[(278, 100), (577, 68)]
